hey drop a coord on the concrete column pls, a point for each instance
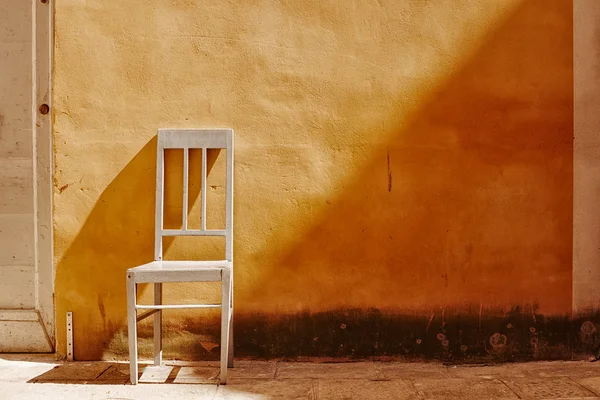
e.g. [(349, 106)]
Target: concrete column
[(586, 179)]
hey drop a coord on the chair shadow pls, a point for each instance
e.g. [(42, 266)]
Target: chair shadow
[(81, 373), (115, 373), (118, 234)]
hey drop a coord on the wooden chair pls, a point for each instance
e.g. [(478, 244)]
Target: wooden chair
[(159, 271)]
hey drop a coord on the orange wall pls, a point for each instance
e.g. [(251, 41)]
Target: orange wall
[(406, 156)]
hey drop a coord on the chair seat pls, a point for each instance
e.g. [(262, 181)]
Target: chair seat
[(179, 271)]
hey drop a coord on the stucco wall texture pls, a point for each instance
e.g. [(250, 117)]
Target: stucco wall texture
[(403, 158)]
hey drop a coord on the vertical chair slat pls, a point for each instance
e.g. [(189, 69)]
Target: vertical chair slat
[(203, 189), (160, 194), (184, 216)]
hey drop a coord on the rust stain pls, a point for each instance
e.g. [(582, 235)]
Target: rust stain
[(101, 308), (389, 172), (85, 263), (209, 346), (429, 323), (63, 188)]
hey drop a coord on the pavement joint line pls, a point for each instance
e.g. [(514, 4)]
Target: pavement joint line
[(509, 388), (583, 386)]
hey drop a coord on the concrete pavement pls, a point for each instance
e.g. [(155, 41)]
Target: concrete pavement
[(43, 378)]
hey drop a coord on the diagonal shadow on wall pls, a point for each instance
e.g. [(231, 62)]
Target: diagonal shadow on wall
[(469, 207)]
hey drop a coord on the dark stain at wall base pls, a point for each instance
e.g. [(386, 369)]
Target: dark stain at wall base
[(518, 335)]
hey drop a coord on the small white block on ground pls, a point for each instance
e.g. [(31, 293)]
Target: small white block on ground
[(156, 374)]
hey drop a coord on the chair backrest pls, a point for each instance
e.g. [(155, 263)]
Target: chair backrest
[(187, 139)]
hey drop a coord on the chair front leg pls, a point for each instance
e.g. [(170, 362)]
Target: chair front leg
[(225, 322), (230, 346), (158, 325), (132, 329)]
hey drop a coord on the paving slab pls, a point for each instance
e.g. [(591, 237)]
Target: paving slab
[(591, 384), (577, 369), (550, 388), (355, 370), (400, 370), (51, 391), (492, 371), (253, 370), (116, 374), (197, 375), (359, 389), (11, 371), (74, 372), (456, 388), (291, 389)]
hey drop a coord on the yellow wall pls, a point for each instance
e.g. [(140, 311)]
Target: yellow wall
[(402, 155)]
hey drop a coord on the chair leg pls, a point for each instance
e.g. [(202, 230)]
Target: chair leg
[(158, 325), (132, 329), (225, 322), (230, 346)]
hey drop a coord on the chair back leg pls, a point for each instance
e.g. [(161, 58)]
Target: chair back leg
[(225, 323), (132, 329), (158, 325)]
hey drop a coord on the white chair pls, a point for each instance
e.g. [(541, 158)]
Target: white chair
[(159, 271)]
